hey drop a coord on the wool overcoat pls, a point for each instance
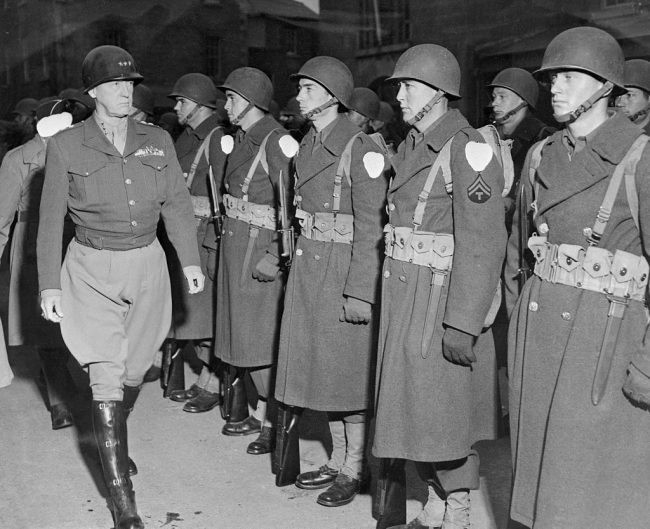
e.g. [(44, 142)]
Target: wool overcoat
[(248, 310), (577, 465), (326, 364), (427, 408)]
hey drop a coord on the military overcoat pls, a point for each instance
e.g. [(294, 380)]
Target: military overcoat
[(427, 408), (567, 451), (325, 364), (249, 311)]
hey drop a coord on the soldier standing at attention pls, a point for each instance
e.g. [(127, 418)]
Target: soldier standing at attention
[(328, 336), (578, 343), (116, 178), (196, 103), (635, 102), (444, 252), (250, 282)]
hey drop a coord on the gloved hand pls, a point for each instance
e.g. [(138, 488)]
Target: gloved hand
[(211, 265), (355, 311), (458, 347), (267, 268), (195, 278), (637, 386), (51, 304)]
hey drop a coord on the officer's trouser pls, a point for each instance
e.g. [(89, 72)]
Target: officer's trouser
[(116, 313)]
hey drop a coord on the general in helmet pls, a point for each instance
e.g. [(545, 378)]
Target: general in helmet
[(635, 102), (579, 354), (445, 215)]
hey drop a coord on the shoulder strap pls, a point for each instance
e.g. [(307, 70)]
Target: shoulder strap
[(442, 162), (343, 169), (626, 167), (502, 148), (535, 160), (203, 149), (260, 157)]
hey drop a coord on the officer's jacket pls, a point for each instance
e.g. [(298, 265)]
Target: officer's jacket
[(114, 200), (475, 215)]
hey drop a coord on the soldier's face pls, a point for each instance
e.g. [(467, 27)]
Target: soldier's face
[(235, 104), (412, 96), (183, 108), (503, 101), (569, 89), (359, 120), (113, 98), (633, 101), (311, 95)]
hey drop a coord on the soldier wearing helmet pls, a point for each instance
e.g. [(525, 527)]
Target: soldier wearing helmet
[(293, 120), (635, 102), (579, 393), (24, 116), (364, 111), (116, 178), (444, 251), (250, 277), (142, 104), (197, 99), (328, 335)]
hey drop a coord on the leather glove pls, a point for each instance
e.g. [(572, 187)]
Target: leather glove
[(637, 386), (267, 268), (355, 311), (458, 347), (195, 278), (51, 304), (211, 265)]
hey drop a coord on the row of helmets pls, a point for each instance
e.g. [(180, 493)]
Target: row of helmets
[(584, 48)]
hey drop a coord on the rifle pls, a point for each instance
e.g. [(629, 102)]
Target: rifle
[(524, 269), (286, 229), (217, 218)]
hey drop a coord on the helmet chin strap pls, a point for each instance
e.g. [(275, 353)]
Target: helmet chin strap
[(425, 109), (509, 114), (189, 116), (235, 121), (639, 115), (311, 113), (575, 114)]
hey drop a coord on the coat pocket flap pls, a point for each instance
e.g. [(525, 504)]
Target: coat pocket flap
[(539, 247), (597, 262), (87, 167), (569, 256), (155, 162), (443, 245), (624, 266)]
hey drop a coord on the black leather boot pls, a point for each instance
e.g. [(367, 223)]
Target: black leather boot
[(128, 402), (173, 368), (109, 425), (389, 501), (61, 388), (285, 463), (236, 409)]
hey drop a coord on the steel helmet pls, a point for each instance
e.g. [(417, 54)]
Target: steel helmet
[(386, 112), (332, 74), (292, 108), (252, 84), (637, 74), (26, 107), (196, 87), (520, 82), (587, 49), (432, 65), (108, 63), (143, 99), (365, 102)]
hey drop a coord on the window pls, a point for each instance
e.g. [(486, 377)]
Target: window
[(384, 22), (213, 56), (290, 40)]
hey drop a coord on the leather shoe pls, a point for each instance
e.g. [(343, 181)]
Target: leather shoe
[(413, 524), (204, 401), (342, 491), (248, 426), (61, 416), (183, 395), (317, 479), (263, 444)]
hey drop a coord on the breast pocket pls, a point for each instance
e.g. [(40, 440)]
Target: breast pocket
[(87, 177), (155, 173)]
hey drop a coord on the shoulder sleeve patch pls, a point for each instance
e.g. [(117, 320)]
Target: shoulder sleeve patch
[(50, 125), (374, 163), (288, 145), (227, 143), (478, 155)]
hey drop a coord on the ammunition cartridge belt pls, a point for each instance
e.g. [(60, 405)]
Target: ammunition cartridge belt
[(258, 215), (620, 274), (201, 207), (326, 226), (423, 248)]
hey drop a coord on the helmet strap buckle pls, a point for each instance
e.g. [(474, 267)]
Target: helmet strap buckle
[(584, 107), (426, 108)]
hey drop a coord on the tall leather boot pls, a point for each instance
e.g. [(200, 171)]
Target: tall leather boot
[(61, 388), (389, 501), (109, 425), (237, 408), (173, 368), (128, 402), (286, 456)]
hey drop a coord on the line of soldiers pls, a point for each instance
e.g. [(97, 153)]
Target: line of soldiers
[(380, 306)]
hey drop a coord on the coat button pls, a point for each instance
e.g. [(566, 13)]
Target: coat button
[(386, 274), (230, 232), (131, 202), (298, 251), (566, 316), (543, 228), (87, 173), (326, 204), (569, 260), (623, 271), (402, 279), (443, 249), (420, 245), (127, 181), (596, 267), (391, 206), (316, 257), (587, 232), (533, 306), (134, 223), (643, 277)]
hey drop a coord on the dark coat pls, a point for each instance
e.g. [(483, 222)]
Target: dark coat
[(566, 451), (429, 409), (325, 364), (248, 311)]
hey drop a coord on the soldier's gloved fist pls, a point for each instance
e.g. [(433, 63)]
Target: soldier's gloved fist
[(355, 311), (51, 304), (458, 347), (195, 278), (267, 268), (637, 386)]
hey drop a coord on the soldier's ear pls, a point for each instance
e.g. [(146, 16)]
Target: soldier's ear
[(92, 93)]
